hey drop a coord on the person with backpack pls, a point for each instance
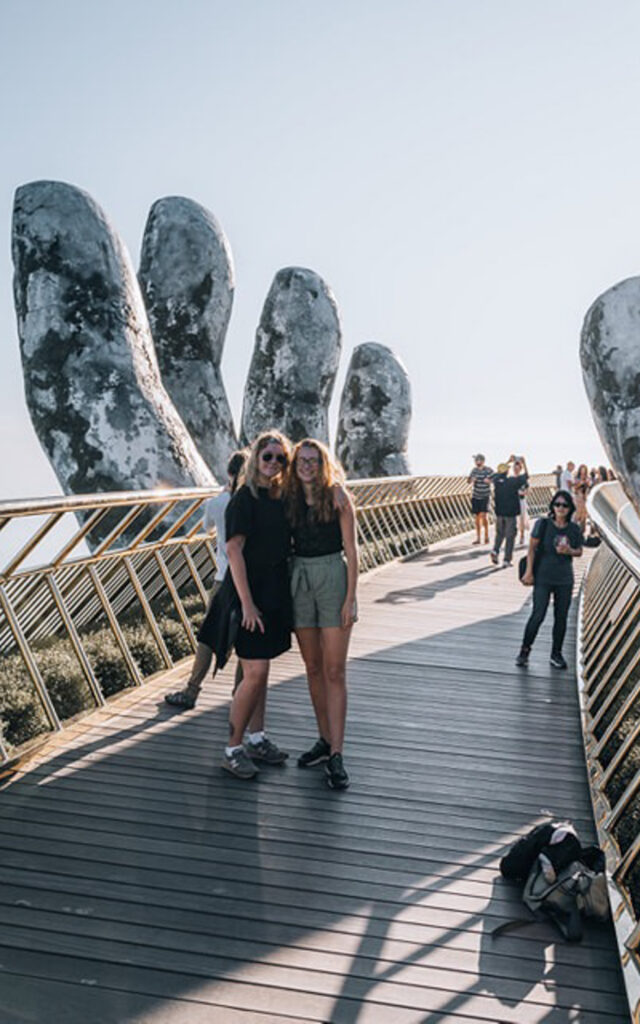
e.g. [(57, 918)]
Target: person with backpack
[(555, 541), (507, 491)]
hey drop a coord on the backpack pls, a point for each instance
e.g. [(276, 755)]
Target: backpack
[(576, 891), (563, 881)]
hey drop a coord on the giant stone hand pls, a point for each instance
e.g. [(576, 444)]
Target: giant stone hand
[(610, 356), (92, 382)]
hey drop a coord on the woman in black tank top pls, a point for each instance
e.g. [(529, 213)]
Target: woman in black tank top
[(323, 586)]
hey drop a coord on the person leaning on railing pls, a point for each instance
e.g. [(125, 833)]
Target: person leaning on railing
[(555, 541)]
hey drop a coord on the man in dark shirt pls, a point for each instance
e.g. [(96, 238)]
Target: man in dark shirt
[(507, 491)]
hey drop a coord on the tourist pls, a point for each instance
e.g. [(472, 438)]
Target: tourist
[(519, 468), (214, 512), (480, 478), (566, 477), (581, 487), (550, 572), (558, 475), (507, 491), (323, 584), (258, 548)]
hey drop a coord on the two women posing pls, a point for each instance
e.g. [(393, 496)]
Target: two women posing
[(290, 503)]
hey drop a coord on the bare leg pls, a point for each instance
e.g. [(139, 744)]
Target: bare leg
[(248, 697), (477, 517), (311, 651), (256, 722), (335, 643), (484, 521), (238, 676), (199, 669)]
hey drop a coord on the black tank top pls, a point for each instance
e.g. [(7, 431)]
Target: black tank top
[(311, 538)]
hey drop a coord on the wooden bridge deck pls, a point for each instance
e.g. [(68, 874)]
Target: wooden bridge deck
[(140, 884)]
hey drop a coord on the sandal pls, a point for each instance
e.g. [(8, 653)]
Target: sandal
[(180, 699)]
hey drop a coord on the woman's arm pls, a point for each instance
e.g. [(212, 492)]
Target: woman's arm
[(528, 578), (251, 616), (347, 518)]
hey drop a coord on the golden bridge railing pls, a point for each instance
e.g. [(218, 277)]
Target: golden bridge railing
[(79, 626), (609, 675)]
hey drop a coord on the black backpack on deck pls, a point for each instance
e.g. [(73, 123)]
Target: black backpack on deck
[(562, 879)]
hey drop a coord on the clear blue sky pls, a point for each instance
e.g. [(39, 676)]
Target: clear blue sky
[(464, 174)]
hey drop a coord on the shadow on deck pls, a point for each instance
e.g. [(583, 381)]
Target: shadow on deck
[(140, 884)]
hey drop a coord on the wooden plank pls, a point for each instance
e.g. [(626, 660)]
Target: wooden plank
[(130, 862)]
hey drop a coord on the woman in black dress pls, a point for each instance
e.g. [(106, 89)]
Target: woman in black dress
[(258, 547)]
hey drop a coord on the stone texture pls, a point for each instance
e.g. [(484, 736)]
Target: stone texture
[(295, 359), (187, 282), (610, 356), (375, 412), (92, 383)]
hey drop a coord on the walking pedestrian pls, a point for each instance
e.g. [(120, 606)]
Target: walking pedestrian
[(519, 468), (480, 478), (566, 477), (555, 542), (580, 490), (214, 512), (506, 497), (323, 585)]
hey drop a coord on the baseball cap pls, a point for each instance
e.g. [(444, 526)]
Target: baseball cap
[(478, 456)]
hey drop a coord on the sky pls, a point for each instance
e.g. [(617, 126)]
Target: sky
[(463, 174)]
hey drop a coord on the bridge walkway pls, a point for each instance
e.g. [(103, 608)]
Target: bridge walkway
[(140, 884)]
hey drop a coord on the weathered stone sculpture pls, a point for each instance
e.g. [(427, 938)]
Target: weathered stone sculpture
[(186, 276), (91, 378), (295, 358), (610, 356), (375, 412)]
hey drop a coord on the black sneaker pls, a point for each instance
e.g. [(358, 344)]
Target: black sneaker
[(337, 777), (557, 661), (318, 753), (523, 658)]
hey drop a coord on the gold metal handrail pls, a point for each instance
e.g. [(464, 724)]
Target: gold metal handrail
[(82, 625), (609, 679)]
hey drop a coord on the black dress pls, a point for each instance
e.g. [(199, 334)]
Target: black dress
[(266, 552)]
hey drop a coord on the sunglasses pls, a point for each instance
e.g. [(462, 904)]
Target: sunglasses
[(268, 456), (560, 504), (312, 460)]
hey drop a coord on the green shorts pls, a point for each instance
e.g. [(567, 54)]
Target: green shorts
[(318, 588)]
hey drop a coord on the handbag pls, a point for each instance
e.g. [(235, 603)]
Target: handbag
[(522, 564)]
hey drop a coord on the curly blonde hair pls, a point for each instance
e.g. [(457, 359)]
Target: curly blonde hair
[(251, 471), (330, 476)]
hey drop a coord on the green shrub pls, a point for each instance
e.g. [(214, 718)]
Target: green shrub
[(22, 717), (175, 638), (107, 662), (64, 679), (144, 649)]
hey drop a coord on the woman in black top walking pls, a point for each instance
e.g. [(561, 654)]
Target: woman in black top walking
[(554, 543), (258, 543), (323, 585)]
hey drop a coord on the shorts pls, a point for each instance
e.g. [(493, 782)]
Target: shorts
[(479, 505), (318, 588)]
